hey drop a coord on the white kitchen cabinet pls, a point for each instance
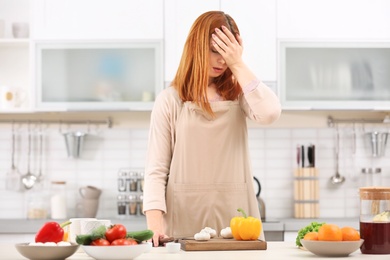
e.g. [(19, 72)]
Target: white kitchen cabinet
[(179, 16), (97, 75), (112, 37), (257, 24), (333, 19), (14, 53), (330, 85), (326, 75), (103, 19)]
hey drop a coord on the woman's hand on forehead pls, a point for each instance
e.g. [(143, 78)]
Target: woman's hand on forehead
[(227, 45)]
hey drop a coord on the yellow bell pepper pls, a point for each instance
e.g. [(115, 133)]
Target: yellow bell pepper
[(246, 227)]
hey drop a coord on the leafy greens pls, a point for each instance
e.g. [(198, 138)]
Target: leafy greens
[(313, 227)]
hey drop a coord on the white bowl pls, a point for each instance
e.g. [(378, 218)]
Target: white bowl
[(331, 248), (172, 247), (116, 252), (46, 252)]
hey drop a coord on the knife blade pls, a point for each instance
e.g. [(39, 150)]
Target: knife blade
[(311, 155)]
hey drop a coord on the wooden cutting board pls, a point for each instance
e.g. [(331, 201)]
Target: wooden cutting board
[(220, 244)]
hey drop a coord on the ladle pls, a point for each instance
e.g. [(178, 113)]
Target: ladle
[(29, 179), (337, 178), (13, 175), (40, 176)]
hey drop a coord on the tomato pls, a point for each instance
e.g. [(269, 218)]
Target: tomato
[(124, 242), (116, 231), (100, 242)]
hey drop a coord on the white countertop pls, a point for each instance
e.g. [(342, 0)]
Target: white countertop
[(28, 226), (275, 250)]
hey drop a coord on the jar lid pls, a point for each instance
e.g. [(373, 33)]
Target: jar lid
[(371, 170), (375, 193), (58, 182), (132, 197)]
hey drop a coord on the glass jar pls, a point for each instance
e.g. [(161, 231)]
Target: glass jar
[(133, 204), (132, 181), (37, 205), (58, 200), (141, 181), (121, 204), (122, 176), (375, 220), (141, 204)]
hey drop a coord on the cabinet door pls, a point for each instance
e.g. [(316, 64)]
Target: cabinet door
[(257, 24), (347, 19), (179, 16), (103, 19), (335, 75), (107, 75)]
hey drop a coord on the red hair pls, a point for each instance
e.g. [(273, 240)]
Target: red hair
[(192, 76)]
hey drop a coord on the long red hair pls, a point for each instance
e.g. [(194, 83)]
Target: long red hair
[(192, 76)]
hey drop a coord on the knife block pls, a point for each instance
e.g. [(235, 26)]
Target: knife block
[(306, 193)]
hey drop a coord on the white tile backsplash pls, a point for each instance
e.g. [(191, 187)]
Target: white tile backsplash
[(272, 154)]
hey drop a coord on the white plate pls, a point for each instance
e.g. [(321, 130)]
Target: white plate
[(116, 252), (332, 248), (46, 252)]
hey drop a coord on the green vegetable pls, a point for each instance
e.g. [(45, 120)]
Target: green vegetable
[(95, 234), (313, 227), (140, 235)]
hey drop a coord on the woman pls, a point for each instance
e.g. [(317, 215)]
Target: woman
[(198, 170)]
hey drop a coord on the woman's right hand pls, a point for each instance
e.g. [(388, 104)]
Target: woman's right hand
[(155, 223)]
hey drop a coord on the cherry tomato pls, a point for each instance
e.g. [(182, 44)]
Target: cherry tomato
[(116, 231), (124, 242), (100, 242)]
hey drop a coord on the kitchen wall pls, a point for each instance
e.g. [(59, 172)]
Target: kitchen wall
[(272, 150)]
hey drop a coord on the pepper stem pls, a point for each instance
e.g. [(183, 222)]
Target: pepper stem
[(65, 224), (243, 212)]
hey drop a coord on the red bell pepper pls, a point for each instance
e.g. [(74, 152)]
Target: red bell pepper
[(51, 232)]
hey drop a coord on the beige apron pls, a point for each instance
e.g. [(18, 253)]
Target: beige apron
[(210, 174)]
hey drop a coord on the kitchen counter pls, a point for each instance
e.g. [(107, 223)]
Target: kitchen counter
[(23, 230), (28, 226), (276, 250)]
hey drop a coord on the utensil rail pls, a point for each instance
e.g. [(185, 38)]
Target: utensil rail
[(107, 122)]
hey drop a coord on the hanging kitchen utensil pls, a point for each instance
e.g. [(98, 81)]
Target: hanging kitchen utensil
[(378, 142), (337, 178), (29, 179), (74, 143), (13, 181), (40, 143)]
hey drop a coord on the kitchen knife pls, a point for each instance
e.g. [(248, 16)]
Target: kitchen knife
[(313, 158), (310, 156), (303, 156)]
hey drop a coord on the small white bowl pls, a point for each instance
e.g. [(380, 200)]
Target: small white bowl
[(172, 247), (115, 252)]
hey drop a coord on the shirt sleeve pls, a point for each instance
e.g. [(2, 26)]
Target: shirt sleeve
[(260, 103), (159, 154)]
